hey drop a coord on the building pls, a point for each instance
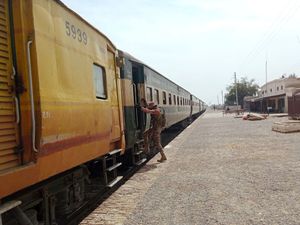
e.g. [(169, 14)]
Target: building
[(273, 96)]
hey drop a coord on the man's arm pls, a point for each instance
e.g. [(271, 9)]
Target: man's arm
[(150, 111)]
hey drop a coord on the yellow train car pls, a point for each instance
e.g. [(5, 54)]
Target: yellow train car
[(60, 104)]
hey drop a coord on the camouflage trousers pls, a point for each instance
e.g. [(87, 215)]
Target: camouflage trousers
[(152, 136)]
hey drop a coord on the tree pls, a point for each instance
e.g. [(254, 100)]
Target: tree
[(244, 88)]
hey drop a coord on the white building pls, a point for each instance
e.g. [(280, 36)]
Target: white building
[(274, 95)]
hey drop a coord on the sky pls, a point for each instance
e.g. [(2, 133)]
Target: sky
[(200, 44)]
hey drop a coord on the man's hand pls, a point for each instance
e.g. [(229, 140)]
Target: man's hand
[(151, 111), (145, 110)]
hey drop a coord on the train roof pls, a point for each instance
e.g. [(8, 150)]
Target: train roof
[(132, 58), (83, 20)]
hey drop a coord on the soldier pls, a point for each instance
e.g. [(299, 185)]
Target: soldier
[(155, 128)]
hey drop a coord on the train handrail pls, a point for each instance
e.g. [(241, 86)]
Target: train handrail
[(33, 122), (135, 102), (15, 98), (17, 109), (13, 75)]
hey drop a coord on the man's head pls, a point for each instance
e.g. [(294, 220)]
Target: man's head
[(152, 105), (143, 102)]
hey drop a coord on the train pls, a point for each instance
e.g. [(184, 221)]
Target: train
[(139, 81), (69, 110)]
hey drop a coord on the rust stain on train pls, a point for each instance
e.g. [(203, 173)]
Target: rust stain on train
[(71, 142)]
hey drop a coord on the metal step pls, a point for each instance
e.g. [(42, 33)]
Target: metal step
[(114, 182), (139, 141), (141, 162), (9, 205), (114, 167), (116, 151), (139, 152)]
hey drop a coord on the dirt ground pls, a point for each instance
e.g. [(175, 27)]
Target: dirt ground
[(220, 170)]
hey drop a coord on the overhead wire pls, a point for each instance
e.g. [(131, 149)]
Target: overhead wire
[(275, 28), (266, 34)]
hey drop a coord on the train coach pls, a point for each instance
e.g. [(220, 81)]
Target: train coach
[(68, 110), (60, 108), (196, 106), (139, 81)]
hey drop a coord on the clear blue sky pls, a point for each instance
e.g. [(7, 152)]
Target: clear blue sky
[(199, 44)]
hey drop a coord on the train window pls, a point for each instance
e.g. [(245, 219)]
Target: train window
[(156, 96), (164, 98), (149, 94), (174, 99), (170, 99), (99, 81)]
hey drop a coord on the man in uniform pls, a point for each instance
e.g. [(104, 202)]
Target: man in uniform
[(155, 128)]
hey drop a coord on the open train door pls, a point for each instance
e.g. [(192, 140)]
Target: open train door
[(138, 79), (10, 154)]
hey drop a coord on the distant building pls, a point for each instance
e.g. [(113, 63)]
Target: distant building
[(273, 96)]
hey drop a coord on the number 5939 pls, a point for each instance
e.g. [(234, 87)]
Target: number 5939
[(76, 33)]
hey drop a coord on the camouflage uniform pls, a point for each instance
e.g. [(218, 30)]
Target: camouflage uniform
[(154, 133)]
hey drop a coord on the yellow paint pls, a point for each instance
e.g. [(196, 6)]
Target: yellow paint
[(65, 100), (127, 92), (9, 129)]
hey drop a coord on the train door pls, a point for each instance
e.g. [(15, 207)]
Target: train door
[(138, 90), (116, 129), (9, 107)]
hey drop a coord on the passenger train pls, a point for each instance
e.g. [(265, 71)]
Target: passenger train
[(69, 110)]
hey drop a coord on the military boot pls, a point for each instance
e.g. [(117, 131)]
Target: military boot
[(163, 157)]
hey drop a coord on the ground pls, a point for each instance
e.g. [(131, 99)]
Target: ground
[(220, 170)]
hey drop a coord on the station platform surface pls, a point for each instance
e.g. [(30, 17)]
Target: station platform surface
[(220, 170)]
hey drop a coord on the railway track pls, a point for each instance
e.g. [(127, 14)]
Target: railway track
[(95, 199)]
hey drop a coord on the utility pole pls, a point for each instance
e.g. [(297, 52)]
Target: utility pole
[(266, 68), (222, 98), (236, 93)]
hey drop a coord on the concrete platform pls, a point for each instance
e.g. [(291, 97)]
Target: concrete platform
[(220, 170), (288, 126)]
